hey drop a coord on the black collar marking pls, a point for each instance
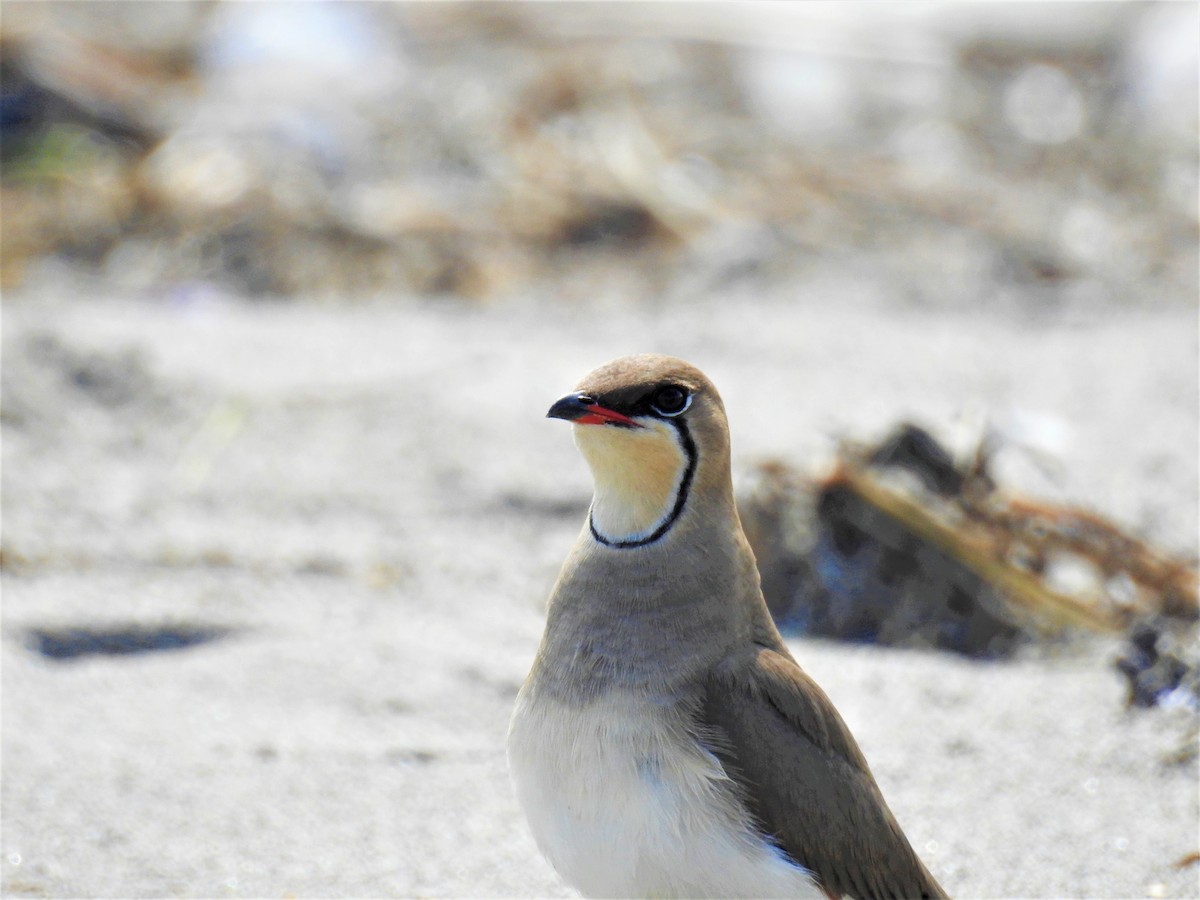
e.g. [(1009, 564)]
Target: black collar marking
[(689, 450)]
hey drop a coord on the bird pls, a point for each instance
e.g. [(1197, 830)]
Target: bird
[(665, 742)]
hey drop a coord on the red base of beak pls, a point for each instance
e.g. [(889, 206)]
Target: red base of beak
[(579, 409), (599, 415)]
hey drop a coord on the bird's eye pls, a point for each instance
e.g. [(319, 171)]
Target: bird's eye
[(671, 401)]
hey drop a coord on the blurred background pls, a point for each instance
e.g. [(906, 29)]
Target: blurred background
[(288, 287), (946, 153)]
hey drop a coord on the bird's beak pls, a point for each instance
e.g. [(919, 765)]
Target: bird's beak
[(582, 410)]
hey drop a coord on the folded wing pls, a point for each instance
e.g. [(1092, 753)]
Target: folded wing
[(803, 777)]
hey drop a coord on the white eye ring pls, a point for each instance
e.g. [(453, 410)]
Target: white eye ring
[(687, 401)]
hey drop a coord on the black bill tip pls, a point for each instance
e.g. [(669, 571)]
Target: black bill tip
[(571, 407)]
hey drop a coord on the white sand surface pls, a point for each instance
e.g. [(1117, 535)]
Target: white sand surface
[(371, 499)]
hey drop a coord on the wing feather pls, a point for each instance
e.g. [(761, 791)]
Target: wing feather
[(805, 780)]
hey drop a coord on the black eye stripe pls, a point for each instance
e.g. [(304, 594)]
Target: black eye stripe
[(647, 402)]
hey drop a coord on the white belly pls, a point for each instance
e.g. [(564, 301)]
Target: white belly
[(624, 803)]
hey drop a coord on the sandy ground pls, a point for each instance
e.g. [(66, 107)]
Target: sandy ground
[(371, 501)]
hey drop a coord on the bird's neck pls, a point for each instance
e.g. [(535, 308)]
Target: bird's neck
[(649, 618)]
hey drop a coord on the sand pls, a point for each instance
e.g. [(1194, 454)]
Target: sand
[(371, 504)]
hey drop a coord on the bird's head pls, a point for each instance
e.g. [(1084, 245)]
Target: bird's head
[(653, 430)]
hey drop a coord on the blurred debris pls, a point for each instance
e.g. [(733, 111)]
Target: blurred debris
[(340, 149), (61, 644), (76, 116), (63, 80), (1191, 859), (902, 544), (1162, 667), (43, 374)]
